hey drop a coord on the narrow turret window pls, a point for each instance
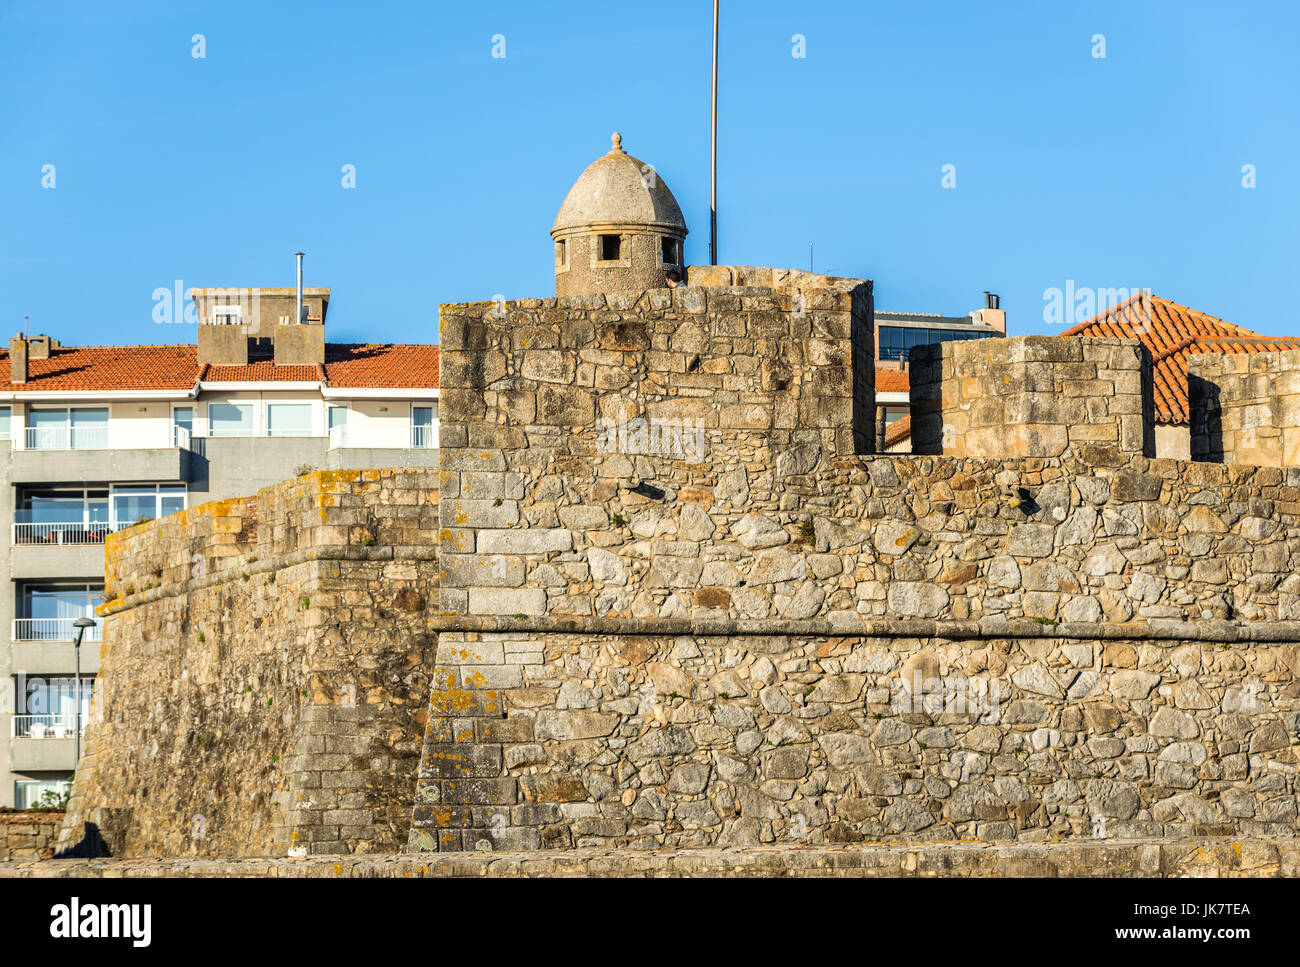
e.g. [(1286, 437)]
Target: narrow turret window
[(611, 248)]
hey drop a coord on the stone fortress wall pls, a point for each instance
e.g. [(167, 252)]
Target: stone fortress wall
[(678, 605), (1246, 407), (774, 639), (265, 673)]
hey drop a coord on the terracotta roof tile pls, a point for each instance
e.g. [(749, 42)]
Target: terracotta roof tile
[(892, 381), (117, 368), (898, 431), (401, 366), (1171, 332)]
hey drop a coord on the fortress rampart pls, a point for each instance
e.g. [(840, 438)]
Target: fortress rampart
[(679, 604), (265, 673)]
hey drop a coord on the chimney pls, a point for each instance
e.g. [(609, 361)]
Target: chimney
[(992, 314), (17, 359), (298, 316), (38, 347)]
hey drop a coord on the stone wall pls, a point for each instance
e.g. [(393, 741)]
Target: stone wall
[(1034, 396), (1245, 407), (28, 836), (744, 644), (264, 678)]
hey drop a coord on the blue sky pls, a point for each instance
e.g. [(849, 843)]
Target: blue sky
[(1115, 172)]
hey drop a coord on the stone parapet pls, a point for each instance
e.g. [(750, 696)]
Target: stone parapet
[(28, 836), (1034, 396), (1245, 407)]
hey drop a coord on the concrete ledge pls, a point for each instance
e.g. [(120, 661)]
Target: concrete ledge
[(1083, 858)]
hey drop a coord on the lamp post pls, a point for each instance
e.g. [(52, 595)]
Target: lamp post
[(81, 624)]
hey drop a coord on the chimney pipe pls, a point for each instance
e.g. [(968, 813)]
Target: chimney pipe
[(991, 300), (298, 317)]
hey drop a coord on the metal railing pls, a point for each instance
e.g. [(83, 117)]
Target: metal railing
[(385, 436), (62, 726), (51, 629), (80, 532), (67, 437)]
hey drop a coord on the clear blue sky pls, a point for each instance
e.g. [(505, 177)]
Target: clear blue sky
[(1120, 172)]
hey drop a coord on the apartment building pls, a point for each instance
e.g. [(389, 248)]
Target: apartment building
[(897, 333), (94, 439)]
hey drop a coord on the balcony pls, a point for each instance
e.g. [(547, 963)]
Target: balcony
[(61, 726), (67, 438), (383, 437), (70, 533), (52, 629)]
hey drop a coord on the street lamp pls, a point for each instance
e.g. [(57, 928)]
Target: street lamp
[(81, 624)]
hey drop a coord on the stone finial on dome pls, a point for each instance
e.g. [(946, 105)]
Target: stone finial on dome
[(616, 140)]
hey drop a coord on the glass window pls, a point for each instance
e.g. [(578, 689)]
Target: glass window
[(5, 415), (288, 419), (422, 426), (338, 416), (170, 500), (29, 792), (47, 417), (230, 419), (46, 611), (183, 416), (134, 505)]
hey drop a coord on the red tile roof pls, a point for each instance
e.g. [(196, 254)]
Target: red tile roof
[(1171, 332), (892, 381), (898, 431), (119, 368)]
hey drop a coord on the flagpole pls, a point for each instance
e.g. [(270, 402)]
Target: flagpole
[(713, 150)]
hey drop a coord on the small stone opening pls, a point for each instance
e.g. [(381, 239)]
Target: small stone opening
[(611, 248), (561, 253), (668, 252)]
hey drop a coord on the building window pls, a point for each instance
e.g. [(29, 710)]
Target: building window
[(135, 505), (668, 252), (288, 419), (230, 419), (5, 417), (46, 612), (67, 428), (61, 516), (47, 706), (29, 793), (424, 433), (611, 248), (561, 253), (182, 426), (896, 342)]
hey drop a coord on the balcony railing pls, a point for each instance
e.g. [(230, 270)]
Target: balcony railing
[(62, 726), (385, 437), (73, 533), (67, 437), (51, 629), (96, 438)]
